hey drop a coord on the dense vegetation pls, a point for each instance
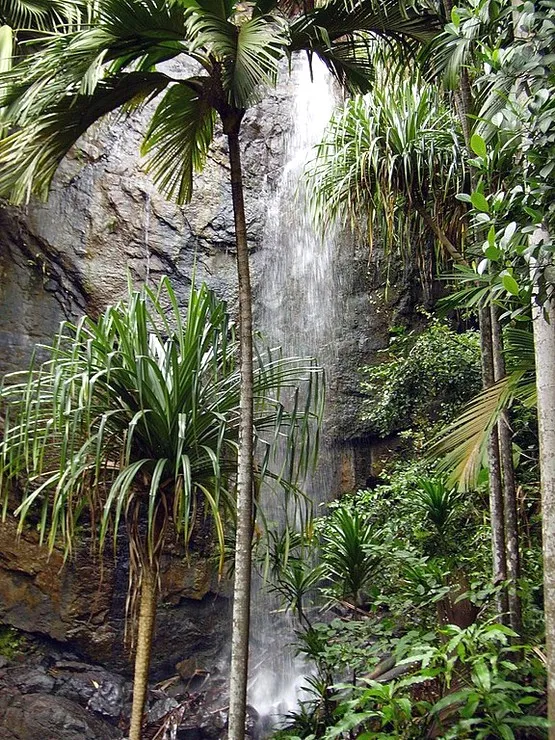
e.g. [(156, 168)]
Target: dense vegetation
[(392, 588), (419, 602)]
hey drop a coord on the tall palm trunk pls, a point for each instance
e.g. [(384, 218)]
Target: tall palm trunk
[(243, 542), (496, 499), (512, 554), (544, 348), (145, 629)]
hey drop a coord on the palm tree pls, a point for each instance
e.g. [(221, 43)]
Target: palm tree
[(76, 77), (134, 418)]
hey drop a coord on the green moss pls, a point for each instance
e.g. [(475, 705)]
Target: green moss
[(12, 642)]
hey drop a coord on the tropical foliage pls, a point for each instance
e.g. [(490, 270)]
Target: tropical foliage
[(134, 419), (392, 162), (394, 668), (139, 418), (135, 415), (76, 76), (423, 375)]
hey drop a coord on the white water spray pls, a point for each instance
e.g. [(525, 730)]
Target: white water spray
[(298, 311)]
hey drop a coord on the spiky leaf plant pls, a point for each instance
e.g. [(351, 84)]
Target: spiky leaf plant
[(353, 551), (391, 161), (437, 501), (133, 419)]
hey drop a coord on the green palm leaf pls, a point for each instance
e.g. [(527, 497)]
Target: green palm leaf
[(247, 55), (178, 138), (41, 15), (344, 34), (30, 156), (462, 444)]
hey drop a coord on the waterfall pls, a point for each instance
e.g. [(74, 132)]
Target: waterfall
[(298, 294), (297, 310), (147, 237)]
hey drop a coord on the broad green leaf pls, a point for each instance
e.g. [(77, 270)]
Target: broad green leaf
[(479, 202), (493, 253), (478, 146), (510, 285), (491, 236)]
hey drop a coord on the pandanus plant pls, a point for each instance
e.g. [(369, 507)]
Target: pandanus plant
[(234, 52), (134, 419)]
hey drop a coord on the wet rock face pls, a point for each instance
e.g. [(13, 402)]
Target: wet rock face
[(82, 603), (105, 219), (48, 694), (42, 715), (51, 696)]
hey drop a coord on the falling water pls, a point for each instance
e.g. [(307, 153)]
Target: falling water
[(147, 237), (298, 311), (298, 295)]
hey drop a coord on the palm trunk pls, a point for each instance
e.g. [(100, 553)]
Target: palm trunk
[(464, 106), (544, 348), (496, 501), (512, 554), (145, 629), (243, 542)]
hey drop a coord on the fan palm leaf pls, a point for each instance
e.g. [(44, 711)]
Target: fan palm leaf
[(43, 15)]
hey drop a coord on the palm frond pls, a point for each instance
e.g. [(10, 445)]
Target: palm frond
[(247, 56), (177, 140), (461, 446), (30, 156), (389, 19), (222, 9), (357, 28), (261, 44), (43, 15)]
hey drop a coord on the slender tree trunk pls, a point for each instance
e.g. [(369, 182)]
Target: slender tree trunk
[(243, 543), (496, 501), (464, 105), (510, 509), (145, 629), (544, 347)]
